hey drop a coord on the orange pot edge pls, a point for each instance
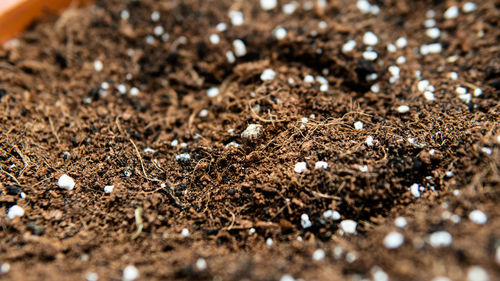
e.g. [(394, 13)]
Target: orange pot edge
[(15, 15)]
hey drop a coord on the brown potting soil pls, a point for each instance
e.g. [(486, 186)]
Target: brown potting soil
[(145, 124)]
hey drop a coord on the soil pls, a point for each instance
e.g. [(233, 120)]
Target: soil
[(57, 117)]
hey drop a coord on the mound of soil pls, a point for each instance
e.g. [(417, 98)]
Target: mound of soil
[(155, 98)]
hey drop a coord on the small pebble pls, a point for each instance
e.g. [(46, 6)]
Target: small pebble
[(440, 239), (393, 240), (158, 30), (300, 167), (348, 226), (185, 232), (184, 157), (461, 90), (434, 48), (363, 168), (478, 217), (358, 125), (124, 14), (66, 182), (15, 211), (478, 92), (401, 60), (251, 231), (363, 6)]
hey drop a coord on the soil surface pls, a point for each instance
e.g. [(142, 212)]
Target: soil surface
[(119, 93)]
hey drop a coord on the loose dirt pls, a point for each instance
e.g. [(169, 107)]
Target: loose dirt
[(110, 98)]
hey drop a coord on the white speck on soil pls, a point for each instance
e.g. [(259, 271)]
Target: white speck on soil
[(477, 273), (478, 217), (221, 26), (268, 4), (451, 12), (269, 242), (98, 66), (403, 109), (109, 188), (469, 7), (331, 214), (401, 42), (289, 8), (370, 55), (203, 113), (440, 239), (184, 157), (212, 92), (393, 240), (400, 222), (318, 255), (287, 277), (348, 46), (370, 39), (487, 150), (369, 141), (91, 276), (201, 264), (349, 226), (415, 190), (240, 49), (321, 165), (236, 18), (304, 221), (214, 38), (280, 33), (251, 231), (185, 232), (155, 16), (252, 132), (391, 48), (358, 125), (300, 167), (4, 268), (268, 75), (130, 273), (230, 57), (363, 168), (66, 182), (433, 33), (15, 211)]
